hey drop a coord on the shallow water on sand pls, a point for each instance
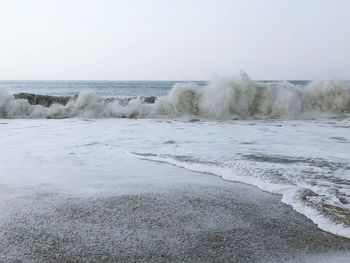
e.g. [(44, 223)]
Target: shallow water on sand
[(305, 162)]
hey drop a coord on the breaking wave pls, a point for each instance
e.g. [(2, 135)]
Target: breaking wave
[(238, 97)]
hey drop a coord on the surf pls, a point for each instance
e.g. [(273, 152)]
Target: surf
[(239, 97)]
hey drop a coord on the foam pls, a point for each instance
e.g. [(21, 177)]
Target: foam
[(238, 97), (291, 194)]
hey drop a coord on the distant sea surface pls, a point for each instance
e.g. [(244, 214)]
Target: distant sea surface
[(102, 88)]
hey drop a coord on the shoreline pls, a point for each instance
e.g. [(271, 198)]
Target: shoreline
[(285, 191), (77, 196)]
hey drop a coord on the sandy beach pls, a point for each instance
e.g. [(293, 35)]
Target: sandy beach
[(78, 195), (194, 218)]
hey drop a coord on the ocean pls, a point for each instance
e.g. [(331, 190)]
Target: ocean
[(289, 138), (104, 88)]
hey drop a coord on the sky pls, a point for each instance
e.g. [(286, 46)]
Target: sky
[(174, 39)]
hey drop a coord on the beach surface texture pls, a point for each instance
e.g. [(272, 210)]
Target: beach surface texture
[(74, 190)]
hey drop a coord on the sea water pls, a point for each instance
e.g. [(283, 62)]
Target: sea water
[(287, 138), (100, 88)]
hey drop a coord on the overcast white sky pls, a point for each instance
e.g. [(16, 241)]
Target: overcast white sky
[(174, 39)]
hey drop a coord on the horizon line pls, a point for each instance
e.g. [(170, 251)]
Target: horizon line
[(153, 80)]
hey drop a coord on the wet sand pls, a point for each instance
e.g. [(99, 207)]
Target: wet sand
[(205, 219)]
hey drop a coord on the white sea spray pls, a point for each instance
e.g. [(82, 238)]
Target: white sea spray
[(238, 97)]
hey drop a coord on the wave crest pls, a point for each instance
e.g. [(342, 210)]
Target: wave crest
[(238, 97)]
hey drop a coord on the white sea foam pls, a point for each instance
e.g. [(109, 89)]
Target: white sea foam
[(291, 194), (307, 162), (238, 97)]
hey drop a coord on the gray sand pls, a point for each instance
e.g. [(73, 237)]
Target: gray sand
[(205, 219)]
